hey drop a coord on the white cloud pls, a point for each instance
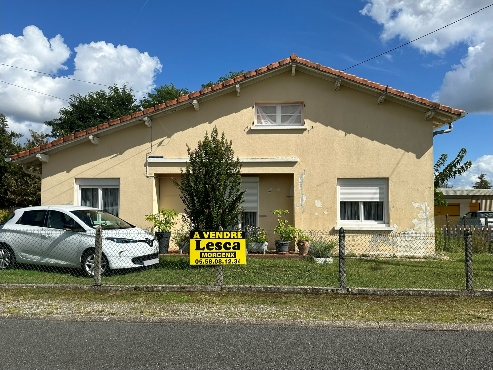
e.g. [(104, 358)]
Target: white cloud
[(481, 165), (109, 65), (467, 85), (24, 127), (36, 97)]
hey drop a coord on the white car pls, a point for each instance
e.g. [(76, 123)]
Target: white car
[(477, 218), (65, 236)]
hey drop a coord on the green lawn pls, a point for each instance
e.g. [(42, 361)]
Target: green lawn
[(285, 271)]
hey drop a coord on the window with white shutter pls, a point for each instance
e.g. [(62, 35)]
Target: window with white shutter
[(250, 202), (103, 194), (362, 201)]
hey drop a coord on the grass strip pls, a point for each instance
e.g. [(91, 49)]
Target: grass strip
[(152, 306), (397, 273)]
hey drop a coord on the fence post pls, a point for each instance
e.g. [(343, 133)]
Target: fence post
[(342, 260), (219, 270), (98, 249), (447, 233), (468, 259)]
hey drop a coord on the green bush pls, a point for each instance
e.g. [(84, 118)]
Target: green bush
[(4, 216), (164, 220), (321, 248)]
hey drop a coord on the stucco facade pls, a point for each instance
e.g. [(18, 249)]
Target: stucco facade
[(349, 130)]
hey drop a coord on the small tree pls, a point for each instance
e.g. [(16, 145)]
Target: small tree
[(210, 185), (443, 173), (17, 188), (482, 182), (163, 94)]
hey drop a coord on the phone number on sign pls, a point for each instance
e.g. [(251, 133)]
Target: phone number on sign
[(217, 261)]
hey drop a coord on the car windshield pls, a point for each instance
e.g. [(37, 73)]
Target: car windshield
[(93, 218)]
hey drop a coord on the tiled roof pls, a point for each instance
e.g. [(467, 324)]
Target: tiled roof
[(293, 59)]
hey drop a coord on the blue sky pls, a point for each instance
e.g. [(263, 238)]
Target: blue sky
[(148, 43)]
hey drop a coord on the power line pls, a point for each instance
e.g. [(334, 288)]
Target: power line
[(409, 42), (54, 75), (38, 92)]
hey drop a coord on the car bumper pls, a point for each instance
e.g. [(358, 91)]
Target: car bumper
[(122, 262)]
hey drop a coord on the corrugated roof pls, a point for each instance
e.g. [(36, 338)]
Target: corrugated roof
[(466, 192)]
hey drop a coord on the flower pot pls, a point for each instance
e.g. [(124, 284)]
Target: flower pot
[(256, 247), (282, 247), (323, 260), (163, 240), (303, 247)]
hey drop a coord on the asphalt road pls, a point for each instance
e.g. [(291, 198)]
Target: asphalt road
[(51, 344)]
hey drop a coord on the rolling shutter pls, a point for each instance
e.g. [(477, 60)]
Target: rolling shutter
[(250, 184)]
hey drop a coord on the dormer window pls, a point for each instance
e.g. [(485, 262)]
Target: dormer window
[(270, 115)]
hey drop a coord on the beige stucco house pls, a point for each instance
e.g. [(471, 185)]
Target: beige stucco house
[(334, 149)]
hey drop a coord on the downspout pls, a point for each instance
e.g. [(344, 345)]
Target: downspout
[(444, 131), (24, 168)]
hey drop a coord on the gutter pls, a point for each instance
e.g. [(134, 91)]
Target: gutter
[(443, 131)]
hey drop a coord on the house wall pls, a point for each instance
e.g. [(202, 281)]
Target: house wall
[(120, 155), (349, 136)]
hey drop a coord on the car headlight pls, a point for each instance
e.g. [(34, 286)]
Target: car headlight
[(122, 240)]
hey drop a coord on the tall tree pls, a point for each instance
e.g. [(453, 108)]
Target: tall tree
[(163, 94), (92, 109), (482, 182), (8, 146), (17, 188), (443, 173), (226, 77), (210, 184)]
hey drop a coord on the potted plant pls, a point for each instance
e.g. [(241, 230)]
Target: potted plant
[(286, 232), (321, 250), (163, 222), (181, 236), (256, 238), (302, 242)]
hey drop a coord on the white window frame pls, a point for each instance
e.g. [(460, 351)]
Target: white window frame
[(99, 184), (362, 190), (266, 125)]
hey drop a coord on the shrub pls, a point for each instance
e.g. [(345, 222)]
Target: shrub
[(4, 216), (164, 220), (321, 248), (256, 234), (285, 231)]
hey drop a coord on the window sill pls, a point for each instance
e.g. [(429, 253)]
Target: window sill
[(364, 227), (277, 127)]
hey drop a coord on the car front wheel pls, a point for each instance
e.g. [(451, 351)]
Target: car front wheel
[(7, 258), (87, 263)]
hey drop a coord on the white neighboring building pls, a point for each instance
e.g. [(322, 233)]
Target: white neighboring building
[(468, 199)]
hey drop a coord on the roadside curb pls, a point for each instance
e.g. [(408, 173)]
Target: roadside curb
[(259, 289)]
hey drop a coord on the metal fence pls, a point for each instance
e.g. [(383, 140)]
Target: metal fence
[(452, 258)]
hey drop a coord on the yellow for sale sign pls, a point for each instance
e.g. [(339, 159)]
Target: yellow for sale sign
[(217, 248)]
